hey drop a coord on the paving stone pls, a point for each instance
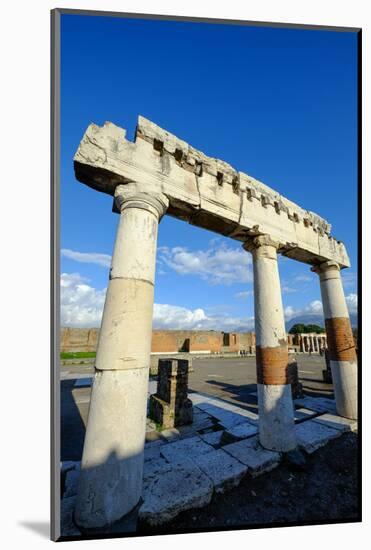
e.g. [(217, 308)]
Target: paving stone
[(207, 424), (229, 419), (152, 452), (250, 452), (337, 422), (170, 435), (212, 438), (312, 435), (318, 404), (153, 468), (185, 448), (304, 414), (252, 417), (242, 431), (173, 491), (68, 528), (71, 483), (224, 471), (154, 443), (69, 465), (83, 382)]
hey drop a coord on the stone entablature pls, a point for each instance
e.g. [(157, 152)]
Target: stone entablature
[(204, 191)]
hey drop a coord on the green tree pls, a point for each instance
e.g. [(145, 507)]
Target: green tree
[(297, 329), (314, 328), (300, 328)]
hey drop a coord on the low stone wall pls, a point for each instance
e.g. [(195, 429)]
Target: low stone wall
[(167, 341)]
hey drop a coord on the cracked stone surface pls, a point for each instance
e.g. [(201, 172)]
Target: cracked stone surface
[(242, 431), (312, 435), (337, 422), (173, 491), (251, 453), (224, 471), (318, 404), (185, 449), (68, 528)]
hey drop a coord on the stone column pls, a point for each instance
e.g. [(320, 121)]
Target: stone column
[(301, 341), (112, 462), (343, 359), (276, 413)]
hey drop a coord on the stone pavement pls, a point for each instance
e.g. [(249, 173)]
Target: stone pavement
[(184, 466)]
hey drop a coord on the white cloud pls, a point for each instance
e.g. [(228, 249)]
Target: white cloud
[(303, 278), (87, 257), (352, 302), (315, 308), (288, 290), (244, 294), (81, 304), (349, 279), (219, 265)]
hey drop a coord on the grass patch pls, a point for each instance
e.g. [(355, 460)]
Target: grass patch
[(77, 354)]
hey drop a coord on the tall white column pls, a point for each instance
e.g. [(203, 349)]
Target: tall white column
[(112, 463), (343, 358), (276, 412)]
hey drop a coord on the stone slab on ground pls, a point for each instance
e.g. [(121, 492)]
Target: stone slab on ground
[(224, 471), (68, 528), (229, 419), (67, 465), (251, 453), (172, 491), (172, 434), (188, 448), (337, 422), (152, 452), (318, 404), (71, 483), (312, 435), (242, 431), (85, 382), (302, 414), (212, 438), (152, 469)]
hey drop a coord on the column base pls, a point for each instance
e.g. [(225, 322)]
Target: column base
[(276, 418), (344, 378), (112, 465)]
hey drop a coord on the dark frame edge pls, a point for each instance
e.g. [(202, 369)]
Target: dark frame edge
[(189, 18), (360, 262), (55, 533)]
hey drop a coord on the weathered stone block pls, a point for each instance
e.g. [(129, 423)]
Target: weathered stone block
[(250, 452), (185, 449), (172, 491), (170, 406), (224, 471), (312, 435)]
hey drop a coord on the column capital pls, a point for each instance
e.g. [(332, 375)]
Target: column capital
[(261, 240), (325, 266), (134, 196)]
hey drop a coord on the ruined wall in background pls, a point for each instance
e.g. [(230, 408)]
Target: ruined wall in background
[(167, 341), (79, 339)]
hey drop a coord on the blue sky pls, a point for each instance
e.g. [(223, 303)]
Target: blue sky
[(278, 104)]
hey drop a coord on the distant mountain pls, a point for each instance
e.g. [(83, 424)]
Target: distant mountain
[(316, 320)]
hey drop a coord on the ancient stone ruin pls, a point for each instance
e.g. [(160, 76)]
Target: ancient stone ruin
[(160, 174), (170, 406)]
